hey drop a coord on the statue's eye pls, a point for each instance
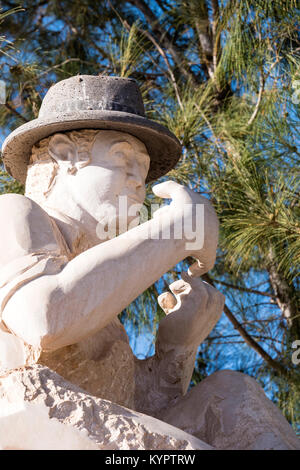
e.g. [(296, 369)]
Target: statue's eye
[(120, 158)]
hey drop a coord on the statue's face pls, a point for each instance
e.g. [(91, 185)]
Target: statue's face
[(112, 187), (106, 188)]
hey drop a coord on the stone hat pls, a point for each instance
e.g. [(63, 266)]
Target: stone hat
[(95, 102)]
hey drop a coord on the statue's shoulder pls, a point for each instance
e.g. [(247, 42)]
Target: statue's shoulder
[(16, 209), (25, 228), (15, 202)]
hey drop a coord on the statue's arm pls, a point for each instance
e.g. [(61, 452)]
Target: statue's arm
[(192, 311), (55, 310)]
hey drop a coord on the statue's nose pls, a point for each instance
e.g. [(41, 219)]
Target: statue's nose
[(134, 177), (134, 182)]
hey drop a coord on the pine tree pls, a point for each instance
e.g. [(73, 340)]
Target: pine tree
[(224, 77)]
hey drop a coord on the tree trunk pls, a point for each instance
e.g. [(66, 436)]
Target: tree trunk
[(285, 296)]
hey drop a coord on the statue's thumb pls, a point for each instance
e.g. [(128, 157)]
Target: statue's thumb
[(166, 189)]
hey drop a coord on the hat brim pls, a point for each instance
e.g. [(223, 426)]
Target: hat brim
[(163, 147)]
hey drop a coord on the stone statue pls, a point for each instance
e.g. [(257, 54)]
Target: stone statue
[(72, 258)]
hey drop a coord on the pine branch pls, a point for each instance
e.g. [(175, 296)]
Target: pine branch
[(206, 48), (244, 289), (205, 43), (260, 337), (285, 295), (216, 42), (15, 112), (168, 65), (165, 39), (45, 72), (254, 345), (262, 81), (161, 5), (260, 94), (250, 341)]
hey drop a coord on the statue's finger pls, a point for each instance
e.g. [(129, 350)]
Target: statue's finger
[(180, 287), (167, 301), (196, 269), (166, 189)]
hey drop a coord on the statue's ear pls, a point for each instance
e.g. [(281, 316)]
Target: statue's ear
[(61, 147)]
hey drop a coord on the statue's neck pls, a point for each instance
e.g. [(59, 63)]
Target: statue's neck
[(76, 225)]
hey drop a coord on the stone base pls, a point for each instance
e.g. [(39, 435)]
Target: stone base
[(230, 411), (39, 410)]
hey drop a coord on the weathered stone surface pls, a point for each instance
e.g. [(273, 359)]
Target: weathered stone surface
[(40, 410), (102, 365), (230, 410)]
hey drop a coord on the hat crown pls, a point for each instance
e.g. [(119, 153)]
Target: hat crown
[(92, 102), (93, 93)]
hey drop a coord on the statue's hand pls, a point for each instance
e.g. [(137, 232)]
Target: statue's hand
[(192, 310), (197, 219)]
